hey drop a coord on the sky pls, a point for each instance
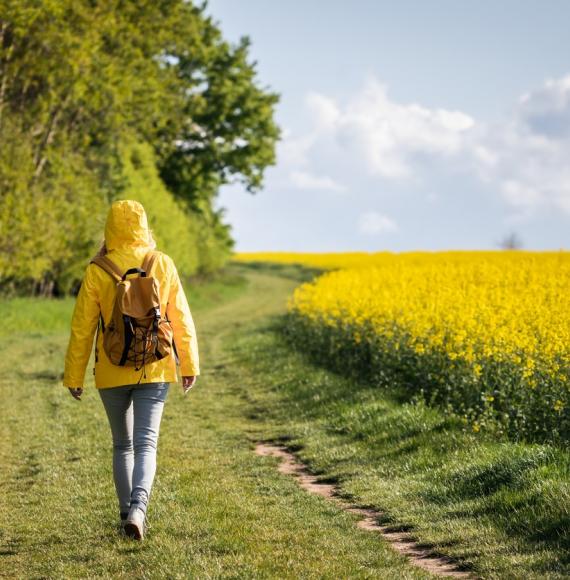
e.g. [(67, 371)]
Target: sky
[(425, 124)]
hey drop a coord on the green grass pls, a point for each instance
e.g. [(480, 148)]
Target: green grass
[(217, 510), (297, 272)]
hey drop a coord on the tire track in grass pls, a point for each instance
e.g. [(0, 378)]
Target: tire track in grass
[(400, 541)]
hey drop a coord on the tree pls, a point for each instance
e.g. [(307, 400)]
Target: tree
[(78, 78), (225, 130), (511, 242)]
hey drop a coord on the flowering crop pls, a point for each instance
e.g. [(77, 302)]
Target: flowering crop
[(485, 334)]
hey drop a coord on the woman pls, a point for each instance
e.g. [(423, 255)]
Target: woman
[(133, 402)]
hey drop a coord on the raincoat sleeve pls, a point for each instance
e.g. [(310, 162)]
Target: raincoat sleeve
[(83, 326), (178, 312)]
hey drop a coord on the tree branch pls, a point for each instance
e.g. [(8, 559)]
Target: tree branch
[(40, 158)]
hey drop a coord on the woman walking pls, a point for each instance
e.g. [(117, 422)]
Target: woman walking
[(133, 389)]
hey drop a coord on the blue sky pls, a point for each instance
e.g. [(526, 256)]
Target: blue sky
[(411, 125)]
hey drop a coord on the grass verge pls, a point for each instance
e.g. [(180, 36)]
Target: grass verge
[(52, 316)]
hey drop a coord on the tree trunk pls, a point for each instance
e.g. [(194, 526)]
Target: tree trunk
[(4, 61), (40, 157)]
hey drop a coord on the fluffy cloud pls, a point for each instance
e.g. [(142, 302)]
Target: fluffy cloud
[(527, 157), (524, 158), (305, 180), (385, 134), (373, 223), (546, 111)]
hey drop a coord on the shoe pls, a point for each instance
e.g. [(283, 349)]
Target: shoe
[(122, 518), (135, 524)]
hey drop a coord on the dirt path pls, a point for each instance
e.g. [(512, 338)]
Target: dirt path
[(400, 541)]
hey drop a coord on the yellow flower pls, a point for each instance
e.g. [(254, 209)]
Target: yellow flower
[(474, 306), (469, 310)]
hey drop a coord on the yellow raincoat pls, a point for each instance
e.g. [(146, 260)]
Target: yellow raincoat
[(127, 240)]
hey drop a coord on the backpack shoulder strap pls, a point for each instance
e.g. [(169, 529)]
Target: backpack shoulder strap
[(109, 266), (149, 261)]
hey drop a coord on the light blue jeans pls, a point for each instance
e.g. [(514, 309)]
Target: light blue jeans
[(134, 413)]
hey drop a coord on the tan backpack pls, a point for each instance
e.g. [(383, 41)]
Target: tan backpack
[(136, 334)]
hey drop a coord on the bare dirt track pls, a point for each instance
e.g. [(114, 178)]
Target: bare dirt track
[(400, 541)]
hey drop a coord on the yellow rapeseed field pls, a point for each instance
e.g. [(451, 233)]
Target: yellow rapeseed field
[(486, 334)]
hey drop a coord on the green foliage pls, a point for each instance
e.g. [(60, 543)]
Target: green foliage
[(176, 231), (226, 131), (186, 235), (47, 226), (79, 81)]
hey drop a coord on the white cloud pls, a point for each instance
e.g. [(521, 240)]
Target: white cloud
[(293, 151), (385, 134), (304, 180), (546, 111), (526, 157), (370, 135), (519, 194), (325, 112), (374, 223)]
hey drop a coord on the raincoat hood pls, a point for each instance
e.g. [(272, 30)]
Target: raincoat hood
[(126, 225)]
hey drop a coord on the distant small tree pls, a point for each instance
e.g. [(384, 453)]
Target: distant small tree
[(511, 242)]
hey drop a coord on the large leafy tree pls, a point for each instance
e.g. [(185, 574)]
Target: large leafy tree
[(224, 130), (76, 76)]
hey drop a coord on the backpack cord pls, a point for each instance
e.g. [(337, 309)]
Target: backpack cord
[(143, 360), (141, 338), (143, 374), (154, 341)]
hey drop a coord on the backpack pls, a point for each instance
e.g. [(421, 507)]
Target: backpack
[(136, 333)]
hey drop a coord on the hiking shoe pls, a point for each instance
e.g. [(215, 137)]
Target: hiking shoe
[(122, 526), (136, 523)]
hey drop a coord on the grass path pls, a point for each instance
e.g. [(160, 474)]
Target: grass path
[(217, 510)]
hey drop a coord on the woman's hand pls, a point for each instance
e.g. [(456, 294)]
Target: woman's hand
[(76, 393), (188, 383)]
